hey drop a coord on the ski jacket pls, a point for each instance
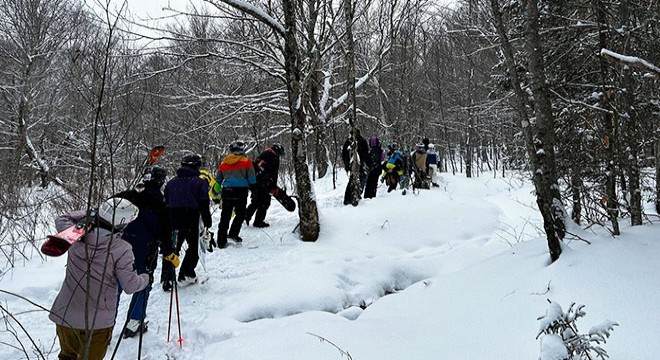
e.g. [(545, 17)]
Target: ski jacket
[(377, 156), (90, 302), (215, 190), (150, 229), (394, 164), (431, 157), (236, 175), (188, 192), (267, 166), (419, 160)]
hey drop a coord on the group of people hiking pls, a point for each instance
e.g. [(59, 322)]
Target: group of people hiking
[(128, 232), (394, 166)]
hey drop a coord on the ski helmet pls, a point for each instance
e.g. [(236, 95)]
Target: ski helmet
[(155, 175), (192, 160), (431, 146), (278, 149), (237, 147), (118, 212)]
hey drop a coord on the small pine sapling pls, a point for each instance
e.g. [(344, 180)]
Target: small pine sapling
[(561, 340)]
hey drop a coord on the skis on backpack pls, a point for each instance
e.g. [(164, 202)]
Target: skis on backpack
[(283, 198), (58, 244)]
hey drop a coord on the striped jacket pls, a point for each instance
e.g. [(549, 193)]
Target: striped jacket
[(236, 171)]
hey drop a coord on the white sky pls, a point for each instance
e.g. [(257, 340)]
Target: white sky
[(461, 292)]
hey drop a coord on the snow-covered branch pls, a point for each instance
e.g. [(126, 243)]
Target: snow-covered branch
[(253, 11), (630, 60)]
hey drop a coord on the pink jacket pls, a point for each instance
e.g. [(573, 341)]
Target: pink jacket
[(99, 298)]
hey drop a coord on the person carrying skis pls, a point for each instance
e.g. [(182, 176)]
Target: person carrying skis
[(377, 156), (86, 304), (186, 196), (266, 166), (146, 234), (236, 175)]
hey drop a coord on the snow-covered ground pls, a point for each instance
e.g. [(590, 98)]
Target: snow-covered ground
[(455, 272)]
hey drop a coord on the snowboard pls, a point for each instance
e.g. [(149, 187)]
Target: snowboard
[(58, 244), (283, 198)]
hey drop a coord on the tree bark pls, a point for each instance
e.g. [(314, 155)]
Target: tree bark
[(609, 124), (307, 208), (354, 178), (541, 137)]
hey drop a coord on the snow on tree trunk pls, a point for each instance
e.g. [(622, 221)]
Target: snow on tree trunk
[(307, 208), (548, 197), (544, 177)]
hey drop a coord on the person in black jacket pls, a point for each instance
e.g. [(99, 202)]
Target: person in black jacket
[(146, 234), (377, 156), (266, 166), (187, 198)]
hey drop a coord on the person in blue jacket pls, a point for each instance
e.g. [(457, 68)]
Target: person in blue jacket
[(148, 232)]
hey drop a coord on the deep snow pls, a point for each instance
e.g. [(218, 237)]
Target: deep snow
[(456, 272)]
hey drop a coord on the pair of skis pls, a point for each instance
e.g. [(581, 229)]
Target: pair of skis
[(58, 244)]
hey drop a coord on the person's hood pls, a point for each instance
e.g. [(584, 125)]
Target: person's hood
[(232, 159)]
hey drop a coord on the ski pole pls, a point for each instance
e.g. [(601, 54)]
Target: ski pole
[(169, 318), (123, 328), (150, 271), (178, 318)]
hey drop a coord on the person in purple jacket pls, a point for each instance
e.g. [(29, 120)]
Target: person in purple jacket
[(187, 198), (84, 310)]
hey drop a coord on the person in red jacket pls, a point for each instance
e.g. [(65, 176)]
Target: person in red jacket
[(236, 175)]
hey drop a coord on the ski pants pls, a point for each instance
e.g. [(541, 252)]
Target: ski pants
[(229, 206), (433, 172), (72, 343), (259, 204), (186, 222), (372, 183)]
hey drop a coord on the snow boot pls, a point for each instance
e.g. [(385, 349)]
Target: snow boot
[(262, 224), (134, 328)]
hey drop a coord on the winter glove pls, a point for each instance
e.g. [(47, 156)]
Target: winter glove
[(173, 258), (216, 201), (382, 180)]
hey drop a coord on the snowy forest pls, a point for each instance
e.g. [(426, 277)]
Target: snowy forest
[(565, 91), (496, 85)]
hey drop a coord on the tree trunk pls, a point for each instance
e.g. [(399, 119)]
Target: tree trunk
[(354, 179), (544, 178), (307, 208), (576, 190), (631, 136), (657, 176), (609, 124)]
